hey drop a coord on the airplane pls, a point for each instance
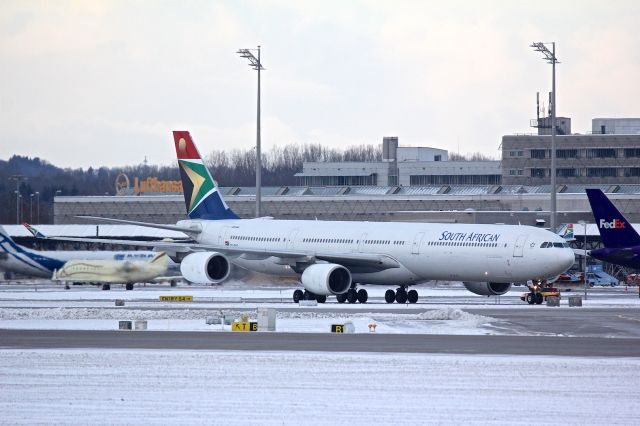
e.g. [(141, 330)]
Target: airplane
[(340, 257), (621, 242), (113, 271), (41, 263)]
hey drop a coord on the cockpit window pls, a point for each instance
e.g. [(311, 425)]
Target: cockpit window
[(558, 245), (544, 245)]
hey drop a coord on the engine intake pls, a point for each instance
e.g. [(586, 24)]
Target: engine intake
[(326, 279), (205, 267), (487, 289)]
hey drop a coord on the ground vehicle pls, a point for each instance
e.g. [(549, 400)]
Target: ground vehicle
[(538, 295), (601, 279)]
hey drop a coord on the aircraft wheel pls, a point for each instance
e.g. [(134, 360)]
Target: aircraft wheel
[(129, 286), (412, 296), (341, 298), (539, 298), (363, 295), (530, 298), (401, 295), (390, 296), (321, 299), (297, 296), (106, 286), (352, 296), (308, 295)]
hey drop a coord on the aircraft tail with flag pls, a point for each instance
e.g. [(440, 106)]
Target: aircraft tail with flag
[(201, 195)]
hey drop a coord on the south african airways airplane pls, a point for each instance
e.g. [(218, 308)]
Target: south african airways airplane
[(341, 257)]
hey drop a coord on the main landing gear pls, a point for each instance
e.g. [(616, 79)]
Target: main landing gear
[(401, 295), (299, 295), (353, 296)]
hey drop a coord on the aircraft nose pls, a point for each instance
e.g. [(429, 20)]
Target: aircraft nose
[(568, 258)]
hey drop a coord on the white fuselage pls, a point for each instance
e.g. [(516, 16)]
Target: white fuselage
[(460, 252), (110, 271), (36, 263)]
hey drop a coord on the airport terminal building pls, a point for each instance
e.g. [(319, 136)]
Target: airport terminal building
[(421, 184)]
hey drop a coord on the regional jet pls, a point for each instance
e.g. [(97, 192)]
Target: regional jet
[(36, 263), (340, 257)]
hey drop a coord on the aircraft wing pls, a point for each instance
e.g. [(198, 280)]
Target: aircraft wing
[(348, 260)]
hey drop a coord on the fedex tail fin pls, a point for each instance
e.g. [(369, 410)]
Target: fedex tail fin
[(615, 230), (201, 195)]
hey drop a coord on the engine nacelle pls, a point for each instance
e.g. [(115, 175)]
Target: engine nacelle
[(326, 278), (206, 267), (487, 289)]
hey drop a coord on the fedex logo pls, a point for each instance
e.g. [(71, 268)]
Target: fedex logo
[(614, 224)]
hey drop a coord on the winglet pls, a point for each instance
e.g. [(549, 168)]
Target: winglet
[(615, 230)]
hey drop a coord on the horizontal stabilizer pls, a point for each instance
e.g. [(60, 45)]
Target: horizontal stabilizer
[(196, 229)]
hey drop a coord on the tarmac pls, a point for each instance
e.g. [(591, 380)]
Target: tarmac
[(265, 341)]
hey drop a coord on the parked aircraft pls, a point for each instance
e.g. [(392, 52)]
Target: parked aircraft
[(339, 258), (621, 242), (41, 263), (112, 271)]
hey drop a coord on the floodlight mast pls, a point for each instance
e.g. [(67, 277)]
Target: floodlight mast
[(550, 56), (256, 65)]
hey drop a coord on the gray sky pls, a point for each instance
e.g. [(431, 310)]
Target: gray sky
[(104, 82)]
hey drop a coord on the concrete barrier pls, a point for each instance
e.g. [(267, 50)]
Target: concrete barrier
[(308, 303), (553, 301), (266, 319), (124, 325), (575, 301), (213, 320)]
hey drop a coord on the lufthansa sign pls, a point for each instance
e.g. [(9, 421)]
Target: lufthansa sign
[(144, 186)]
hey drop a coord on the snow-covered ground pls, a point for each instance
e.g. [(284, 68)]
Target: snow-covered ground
[(445, 320), (285, 388)]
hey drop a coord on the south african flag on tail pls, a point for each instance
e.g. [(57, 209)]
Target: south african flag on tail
[(201, 195)]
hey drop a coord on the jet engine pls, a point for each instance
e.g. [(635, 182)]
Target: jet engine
[(206, 267), (487, 289), (326, 279)]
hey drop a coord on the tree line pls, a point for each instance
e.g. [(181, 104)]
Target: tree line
[(234, 167)]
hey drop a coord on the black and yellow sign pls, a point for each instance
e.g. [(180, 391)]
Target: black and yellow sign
[(176, 298), (337, 328), (244, 326)]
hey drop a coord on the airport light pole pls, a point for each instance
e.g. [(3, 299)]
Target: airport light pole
[(18, 179), (550, 57), (254, 62), (38, 206), (31, 207), (584, 246)]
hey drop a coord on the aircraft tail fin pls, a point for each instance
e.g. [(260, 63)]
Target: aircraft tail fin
[(615, 230), (7, 244), (201, 195), (33, 230)]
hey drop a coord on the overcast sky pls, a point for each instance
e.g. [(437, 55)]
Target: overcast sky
[(104, 82)]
